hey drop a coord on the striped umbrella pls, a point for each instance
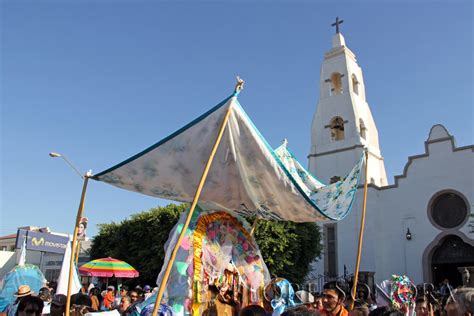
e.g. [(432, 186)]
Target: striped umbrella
[(108, 267)]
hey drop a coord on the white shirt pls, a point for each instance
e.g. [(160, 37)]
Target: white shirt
[(46, 308)]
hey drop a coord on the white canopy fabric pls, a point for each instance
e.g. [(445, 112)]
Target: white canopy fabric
[(246, 176)]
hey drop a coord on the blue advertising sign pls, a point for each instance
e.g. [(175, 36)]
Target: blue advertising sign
[(41, 241)]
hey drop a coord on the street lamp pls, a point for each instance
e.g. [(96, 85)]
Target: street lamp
[(76, 227), (56, 155), (408, 234)]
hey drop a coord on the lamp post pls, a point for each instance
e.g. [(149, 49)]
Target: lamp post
[(408, 234), (76, 227), (56, 155)]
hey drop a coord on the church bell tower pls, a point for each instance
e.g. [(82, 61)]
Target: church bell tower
[(343, 124)]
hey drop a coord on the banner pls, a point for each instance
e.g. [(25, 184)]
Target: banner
[(41, 241), (81, 232)]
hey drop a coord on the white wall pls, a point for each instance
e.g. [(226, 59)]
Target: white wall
[(392, 209), (7, 262)]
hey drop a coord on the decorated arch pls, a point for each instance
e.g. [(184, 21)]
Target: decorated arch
[(218, 265)]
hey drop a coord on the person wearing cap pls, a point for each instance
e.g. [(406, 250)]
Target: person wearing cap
[(23, 291), (45, 295), (333, 299), (109, 298), (147, 292), (58, 305)]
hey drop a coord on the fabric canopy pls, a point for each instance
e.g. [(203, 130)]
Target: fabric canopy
[(108, 267), (246, 176)]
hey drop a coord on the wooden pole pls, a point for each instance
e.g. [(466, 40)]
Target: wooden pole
[(361, 232), (252, 231), (74, 244), (78, 251), (166, 275)]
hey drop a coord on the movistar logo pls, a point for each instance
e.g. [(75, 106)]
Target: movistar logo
[(37, 242)]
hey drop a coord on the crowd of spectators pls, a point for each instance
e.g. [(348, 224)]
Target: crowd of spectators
[(334, 300), (89, 299)]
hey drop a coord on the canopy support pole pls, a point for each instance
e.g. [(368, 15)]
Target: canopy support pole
[(78, 251), (74, 243), (166, 275), (361, 232), (252, 231)]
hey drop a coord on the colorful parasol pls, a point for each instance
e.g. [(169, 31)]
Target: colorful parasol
[(108, 267)]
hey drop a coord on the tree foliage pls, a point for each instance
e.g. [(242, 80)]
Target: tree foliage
[(138, 240), (287, 248)]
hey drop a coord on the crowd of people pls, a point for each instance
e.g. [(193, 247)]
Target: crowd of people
[(332, 301), (335, 300), (89, 299)]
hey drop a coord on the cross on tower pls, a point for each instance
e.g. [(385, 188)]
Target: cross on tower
[(337, 24)]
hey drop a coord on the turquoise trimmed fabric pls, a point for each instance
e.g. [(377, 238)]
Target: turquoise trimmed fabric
[(246, 177), (334, 200)]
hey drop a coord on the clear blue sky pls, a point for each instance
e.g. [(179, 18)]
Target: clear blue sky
[(101, 80)]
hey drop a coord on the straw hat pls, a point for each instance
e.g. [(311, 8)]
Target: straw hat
[(305, 297), (23, 290)]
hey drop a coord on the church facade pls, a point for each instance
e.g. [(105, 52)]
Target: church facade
[(422, 225)]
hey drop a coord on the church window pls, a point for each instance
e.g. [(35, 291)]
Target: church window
[(337, 128), (336, 83), (448, 210), (363, 129), (355, 84), (331, 250), (328, 85)]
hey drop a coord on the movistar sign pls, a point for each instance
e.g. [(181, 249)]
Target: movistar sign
[(41, 241)]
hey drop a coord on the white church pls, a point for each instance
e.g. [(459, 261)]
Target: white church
[(422, 225)]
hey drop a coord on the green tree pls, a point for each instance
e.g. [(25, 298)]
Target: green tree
[(138, 240), (287, 248)]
